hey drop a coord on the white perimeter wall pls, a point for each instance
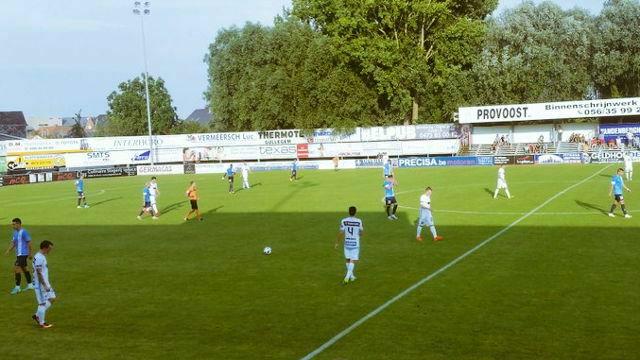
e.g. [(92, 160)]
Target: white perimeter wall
[(530, 133)]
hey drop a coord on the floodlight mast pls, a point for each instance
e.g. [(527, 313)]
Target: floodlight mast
[(143, 9)]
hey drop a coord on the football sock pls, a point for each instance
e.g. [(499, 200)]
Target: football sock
[(141, 212), (78, 201), (27, 275), (508, 194), (433, 231), (388, 212), (495, 194), (350, 267), (624, 209), (40, 313), (18, 279), (613, 207), (353, 268), (419, 231), (395, 207)]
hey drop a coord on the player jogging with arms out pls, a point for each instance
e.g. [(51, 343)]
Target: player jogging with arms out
[(45, 296), (154, 193), (22, 244), (390, 201), (628, 166), (245, 176), (80, 191), (617, 184), (502, 183), (351, 230), (146, 205), (294, 170), (426, 217), (229, 174), (192, 194)]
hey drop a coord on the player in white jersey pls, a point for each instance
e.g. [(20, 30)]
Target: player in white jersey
[(628, 166), (153, 189), (502, 183), (245, 176), (350, 231), (426, 218), (44, 292)]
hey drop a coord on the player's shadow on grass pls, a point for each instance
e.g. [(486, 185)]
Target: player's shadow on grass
[(98, 203), (585, 205), (488, 191), (172, 207)]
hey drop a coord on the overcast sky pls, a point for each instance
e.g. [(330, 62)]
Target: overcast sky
[(59, 56)]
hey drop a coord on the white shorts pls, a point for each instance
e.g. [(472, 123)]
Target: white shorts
[(628, 169), (501, 184), (352, 254), (42, 296), (426, 218)]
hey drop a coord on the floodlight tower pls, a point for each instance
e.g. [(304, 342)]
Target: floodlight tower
[(143, 9)]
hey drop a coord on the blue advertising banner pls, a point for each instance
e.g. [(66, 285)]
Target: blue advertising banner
[(438, 161), (613, 131)]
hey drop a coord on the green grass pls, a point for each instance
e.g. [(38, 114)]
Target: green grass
[(562, 284)]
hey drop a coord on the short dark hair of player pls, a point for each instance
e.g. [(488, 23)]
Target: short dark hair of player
[(45, 244), (620, 169), (352, 210), (17, 221), (428, 188), (153, 178)]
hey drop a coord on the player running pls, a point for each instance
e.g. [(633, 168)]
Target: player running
[(229, 174), (390, 198), (502, 183), (628, 166), (617, 184), (44, 292), (294, 170), (80, 191), (350, 231), (192, 194), (426, 218), (22, 244), (154, 193), (146, 206), (245, 176)]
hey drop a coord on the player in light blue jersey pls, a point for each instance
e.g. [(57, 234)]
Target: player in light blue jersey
[(351, 230), (617, 185), (229, 174), (294, 170), (387, 168), (80, 191), (147, 207), (390, 198), (22, 244)]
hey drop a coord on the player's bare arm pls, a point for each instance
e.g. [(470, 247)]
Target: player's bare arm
[(13, 246)]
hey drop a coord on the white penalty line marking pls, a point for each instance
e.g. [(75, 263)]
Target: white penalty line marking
[(410, 289)]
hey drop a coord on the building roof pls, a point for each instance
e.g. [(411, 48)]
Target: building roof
[(201, 116), (12, 118)]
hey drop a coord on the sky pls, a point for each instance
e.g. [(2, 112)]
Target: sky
[(61, 56)]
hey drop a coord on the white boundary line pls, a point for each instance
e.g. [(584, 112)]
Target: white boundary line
[(410, 289), (540, 213)]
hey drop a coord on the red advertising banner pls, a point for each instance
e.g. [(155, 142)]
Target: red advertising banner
[(303, 151)]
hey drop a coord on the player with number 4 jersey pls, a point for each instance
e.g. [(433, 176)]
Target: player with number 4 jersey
[(351, 230)]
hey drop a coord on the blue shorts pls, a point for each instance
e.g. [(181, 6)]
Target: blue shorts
[(80, 194), (390, 200)]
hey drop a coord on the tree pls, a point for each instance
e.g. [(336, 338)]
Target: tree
[(285, 76), (189, 127), (616, 58), (404, 49), (77, 130), (127, 114), (532, 54)]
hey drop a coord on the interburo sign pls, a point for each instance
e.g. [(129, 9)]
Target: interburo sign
[(549, 111)]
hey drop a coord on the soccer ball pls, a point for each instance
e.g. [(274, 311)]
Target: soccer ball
[(266, 251)]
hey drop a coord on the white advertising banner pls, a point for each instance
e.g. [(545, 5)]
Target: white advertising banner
[(549, 111), (122, 157), (393, 148), (160, 169)]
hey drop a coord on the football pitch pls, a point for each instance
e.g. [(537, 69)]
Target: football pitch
[(545, 275)]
